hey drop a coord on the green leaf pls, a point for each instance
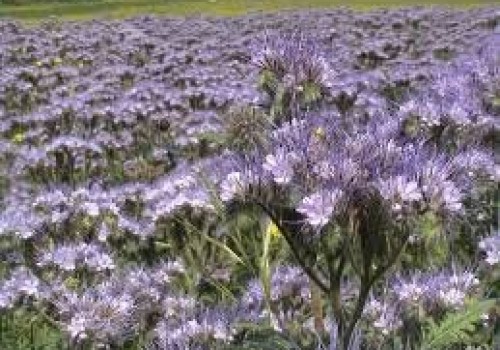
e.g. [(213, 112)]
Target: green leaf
[(263, 338), (268, 81), (312, 93), (456, 328), (215, 242)]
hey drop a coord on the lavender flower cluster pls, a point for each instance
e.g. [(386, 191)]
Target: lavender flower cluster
[(430, 293), (113, 132)]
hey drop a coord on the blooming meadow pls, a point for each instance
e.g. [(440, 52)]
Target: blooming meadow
[(298, 180)]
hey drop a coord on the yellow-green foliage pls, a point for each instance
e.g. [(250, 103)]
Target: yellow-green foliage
[(74, 10), (456, 328)]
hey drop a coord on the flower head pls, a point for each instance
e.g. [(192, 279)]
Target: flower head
[(319, 207)]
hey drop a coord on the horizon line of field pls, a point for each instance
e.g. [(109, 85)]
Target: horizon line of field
[(117, 9)]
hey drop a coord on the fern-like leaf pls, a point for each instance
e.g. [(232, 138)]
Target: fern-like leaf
[(457, 327)]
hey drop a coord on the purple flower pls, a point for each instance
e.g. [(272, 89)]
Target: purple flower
[(98, 315), (286, 282), (280, 165), (439, 189), (292, 56), (442, 289), (400, 191), (70, 257), (319, 207), (491, 246), (411, 291), (383, 315), (452, 288), (236, 184), (20, 283)]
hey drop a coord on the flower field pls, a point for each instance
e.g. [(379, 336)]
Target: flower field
[(314, 179)]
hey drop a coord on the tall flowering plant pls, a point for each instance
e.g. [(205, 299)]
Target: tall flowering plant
[(349, 198)]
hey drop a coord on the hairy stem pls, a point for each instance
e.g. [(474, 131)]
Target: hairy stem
[(295, 250), (317, 308), (336, 271)]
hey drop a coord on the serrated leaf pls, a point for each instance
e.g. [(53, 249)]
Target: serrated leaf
[(457, 327)]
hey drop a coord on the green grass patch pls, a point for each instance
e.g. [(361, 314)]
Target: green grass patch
[(109, 9)]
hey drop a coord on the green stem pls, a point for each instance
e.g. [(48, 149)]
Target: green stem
[(367, 283), (317, 308), (295, 251), (335, 293)]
